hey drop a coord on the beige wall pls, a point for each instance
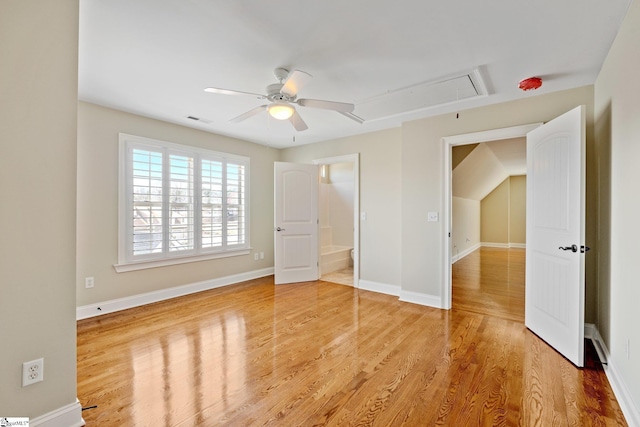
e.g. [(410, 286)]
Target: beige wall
[(422, 179), (617, 112), (380, 197), (503, 213), (518, 209), (38, 87), (494, 214), (465, 225), (97, 246)]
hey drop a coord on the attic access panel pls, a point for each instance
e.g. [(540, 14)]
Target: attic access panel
[(421, 96)]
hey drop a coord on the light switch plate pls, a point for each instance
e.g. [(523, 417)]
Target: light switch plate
[(432, 216)]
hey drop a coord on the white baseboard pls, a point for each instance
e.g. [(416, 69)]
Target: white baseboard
[(66, 416), (396, 291), (421, 299), (503, 245), (618, 385), (382, 288), (494, 245), (92, 310), (459, 256), (592, 333)]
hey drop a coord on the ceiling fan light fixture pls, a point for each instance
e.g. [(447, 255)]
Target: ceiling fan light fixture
[(280, 111)]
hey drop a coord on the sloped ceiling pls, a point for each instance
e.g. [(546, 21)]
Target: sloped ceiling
[(490, 163), (155, 57)]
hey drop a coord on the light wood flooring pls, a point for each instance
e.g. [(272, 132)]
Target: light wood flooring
[(490, 281), (318, 353)]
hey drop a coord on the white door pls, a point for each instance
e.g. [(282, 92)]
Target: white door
[(296, 222), (554, 305)]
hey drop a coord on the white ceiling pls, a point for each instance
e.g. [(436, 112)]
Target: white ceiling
[(155, 57)]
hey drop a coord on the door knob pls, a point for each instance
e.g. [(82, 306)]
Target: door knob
[(572, 248), (279, 229)]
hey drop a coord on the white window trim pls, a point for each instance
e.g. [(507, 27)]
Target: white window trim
[(124, 264)]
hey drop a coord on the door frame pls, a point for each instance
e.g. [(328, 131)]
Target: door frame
[(447, 143), (355, 159)]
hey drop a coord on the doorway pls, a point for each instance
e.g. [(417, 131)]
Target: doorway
[(339, 207), (488, 228), (448, 143)]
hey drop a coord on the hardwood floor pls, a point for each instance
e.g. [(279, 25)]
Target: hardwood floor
[(490, 281), (319, 353)]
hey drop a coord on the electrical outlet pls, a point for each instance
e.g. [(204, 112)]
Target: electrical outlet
[(261, 255), (32, 372), (88, 282), (255, 256)]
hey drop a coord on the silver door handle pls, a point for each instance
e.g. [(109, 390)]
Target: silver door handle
[(280, 229)]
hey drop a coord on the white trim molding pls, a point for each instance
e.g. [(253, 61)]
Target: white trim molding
[(141, 265), (629, 409), (381, 288), (421, 299), (494, 245), (67, 416), (592, 333), (404, 296), (111, 306), (457, 257), (503, 245)]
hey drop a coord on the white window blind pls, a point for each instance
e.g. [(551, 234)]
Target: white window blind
[(178, 201)]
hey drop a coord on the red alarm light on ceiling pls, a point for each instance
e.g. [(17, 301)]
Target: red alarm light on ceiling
[(531, 83)]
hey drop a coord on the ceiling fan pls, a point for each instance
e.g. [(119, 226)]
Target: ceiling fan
[(283, 95)]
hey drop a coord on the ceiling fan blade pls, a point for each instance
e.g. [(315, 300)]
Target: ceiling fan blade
[(340, 107), (352, 117), (297, 122), (294, 82), (232, 92), (250, 113)]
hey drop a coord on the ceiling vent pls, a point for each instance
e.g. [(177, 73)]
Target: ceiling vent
[(422, 96)]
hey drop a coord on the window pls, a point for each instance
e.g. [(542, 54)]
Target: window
[(180, 204)]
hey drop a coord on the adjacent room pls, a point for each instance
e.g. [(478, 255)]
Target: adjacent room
[(488, 227)]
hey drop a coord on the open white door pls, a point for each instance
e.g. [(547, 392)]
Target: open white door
[(554, 306), (296, 222)]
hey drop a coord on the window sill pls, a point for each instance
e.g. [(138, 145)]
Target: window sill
[(142, 265)]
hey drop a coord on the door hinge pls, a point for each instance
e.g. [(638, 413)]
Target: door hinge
[(584, 249)]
